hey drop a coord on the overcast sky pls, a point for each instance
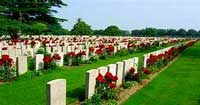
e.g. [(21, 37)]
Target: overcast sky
[(133, 14)]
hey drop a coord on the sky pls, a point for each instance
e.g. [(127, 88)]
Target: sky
[(132, 14)]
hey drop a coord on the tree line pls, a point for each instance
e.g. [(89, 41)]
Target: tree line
[(35, 17)]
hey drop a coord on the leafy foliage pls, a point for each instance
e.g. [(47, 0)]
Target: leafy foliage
[(28, 16), (112, 31), (152, 32), (81, 28)]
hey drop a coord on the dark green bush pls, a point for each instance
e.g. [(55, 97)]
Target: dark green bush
[(127, 84), (95, 100)]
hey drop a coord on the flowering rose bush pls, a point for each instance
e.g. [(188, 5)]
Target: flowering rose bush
[(74, 59), (49, 62), (110, 49), (101, 53), (105, 86), (133, 76), (130, 75), (146, 70), (68, 58), (131, 47), (7, 71), (56, 57)]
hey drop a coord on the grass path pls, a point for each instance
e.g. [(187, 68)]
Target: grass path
[(177, 85), (31, 91)]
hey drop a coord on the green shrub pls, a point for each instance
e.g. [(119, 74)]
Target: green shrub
[(127, 84), (93, 59), (42, 50), (111, 102), (95, 100), (122, 52), (7, 73), (110, 94), (102, 56), (31, 63)]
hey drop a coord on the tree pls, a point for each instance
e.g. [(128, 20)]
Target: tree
[(29, 12), (37, 28), (171, 32), (136, 33), (161, 32), (112, 31), (56, 29), (125, 32), (81, 28), (192, 32), (181, 32), (150, 32), (98, 32)]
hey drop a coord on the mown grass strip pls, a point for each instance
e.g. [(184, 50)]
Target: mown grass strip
[(177, 85)]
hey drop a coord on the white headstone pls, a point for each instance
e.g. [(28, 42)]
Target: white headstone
[(119, 73), (90, 83), (145, 60), (126, 67), (56, 92), (136, 63), (103, 70), (39, 63), (61, 61), (22, 65), (112, 69)]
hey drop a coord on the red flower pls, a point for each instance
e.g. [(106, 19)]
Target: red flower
[(115, 78), (132, 70), (111, 77), (91, 49), (47, 59), (57, 57), (137, 75), (4, 48), (110, 48), (5, 58), (100, 78), (101, 46), (146, 70), (71, 54), (1, 63), (99, 51), (112, 85), (160, 55)]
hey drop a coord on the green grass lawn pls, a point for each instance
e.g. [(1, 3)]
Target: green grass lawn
[(32, 91), (177, 85)]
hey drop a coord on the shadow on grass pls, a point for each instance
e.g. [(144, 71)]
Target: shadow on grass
[(78, 93)]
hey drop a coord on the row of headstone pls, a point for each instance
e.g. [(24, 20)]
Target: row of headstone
[(120, 69), (162, 51), (39, 63)]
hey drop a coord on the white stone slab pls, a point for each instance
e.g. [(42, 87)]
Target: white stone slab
[(119, 73), (103, 70), (56, 92), (22, 65), (90, 83), (135, 65), (39, 63), (112, 69)]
